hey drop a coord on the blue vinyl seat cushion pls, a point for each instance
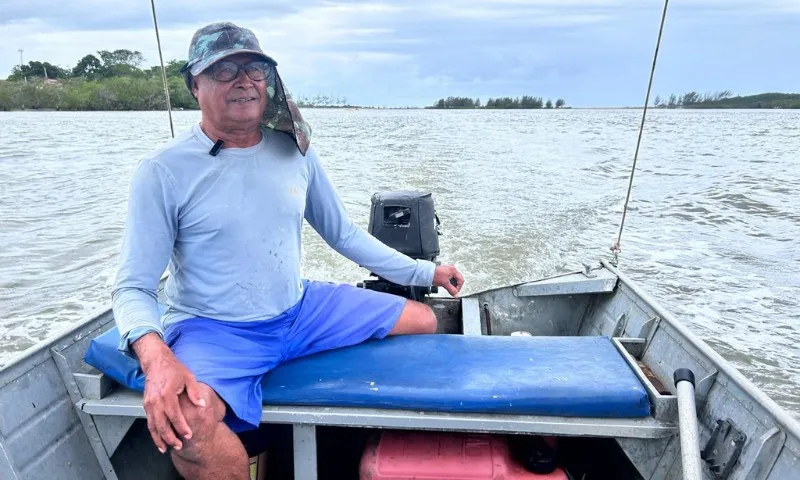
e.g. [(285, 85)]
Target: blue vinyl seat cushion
[(550, 376)]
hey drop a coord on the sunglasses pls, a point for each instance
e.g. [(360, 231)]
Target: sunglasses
[(226, 70)]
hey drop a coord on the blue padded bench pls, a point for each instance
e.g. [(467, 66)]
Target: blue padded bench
[(545, 376)]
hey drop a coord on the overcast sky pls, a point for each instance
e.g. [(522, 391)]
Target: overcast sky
[(411, 52)]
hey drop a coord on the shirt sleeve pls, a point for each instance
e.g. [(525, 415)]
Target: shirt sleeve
[(150, 232), (326, 213), (129, 338)]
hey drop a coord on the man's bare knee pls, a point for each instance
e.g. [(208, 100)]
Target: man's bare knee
[(202, 421), (416, 318), (213, 451), (429, 322)]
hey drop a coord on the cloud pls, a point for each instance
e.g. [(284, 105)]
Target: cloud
[(123, 15), (591, 52)]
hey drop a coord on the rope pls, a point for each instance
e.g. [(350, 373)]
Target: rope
[(163, 71), (615, 248)]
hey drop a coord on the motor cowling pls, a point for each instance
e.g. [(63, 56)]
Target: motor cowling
[(407, 222)]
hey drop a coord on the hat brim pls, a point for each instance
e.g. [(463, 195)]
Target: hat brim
[(199, 67)]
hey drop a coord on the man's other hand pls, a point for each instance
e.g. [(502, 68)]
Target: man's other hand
[(449, 278)]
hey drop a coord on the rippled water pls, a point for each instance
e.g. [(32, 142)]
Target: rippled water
[(713, 230)]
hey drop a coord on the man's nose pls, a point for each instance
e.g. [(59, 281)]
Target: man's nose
[(242, 78)]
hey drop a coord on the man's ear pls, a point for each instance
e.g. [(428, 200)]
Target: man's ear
[(194, 87)]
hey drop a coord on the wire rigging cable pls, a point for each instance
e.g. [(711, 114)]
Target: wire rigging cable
[(163, 71), (615, 248)]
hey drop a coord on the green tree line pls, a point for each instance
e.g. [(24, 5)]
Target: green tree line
[(524, 102), (110, 80), (725, 99)]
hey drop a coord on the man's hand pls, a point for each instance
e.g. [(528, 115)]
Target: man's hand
[(449, 278), (165, 379)]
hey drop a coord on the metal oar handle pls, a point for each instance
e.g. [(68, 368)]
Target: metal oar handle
[(687, 417)]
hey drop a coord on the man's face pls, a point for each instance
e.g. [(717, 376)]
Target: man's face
[(236, 104)]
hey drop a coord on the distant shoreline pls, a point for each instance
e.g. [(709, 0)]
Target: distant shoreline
[(726, 100), (650, 108), (145, 92), (762, 101)]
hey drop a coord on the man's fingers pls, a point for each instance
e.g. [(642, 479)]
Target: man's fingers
[(454, 282), (460, 279), (175, 415), (193, 392), (449, 278), (151, 425), (164, 429)]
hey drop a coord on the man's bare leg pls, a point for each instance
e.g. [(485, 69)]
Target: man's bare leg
[(416, 318), (214, 451)]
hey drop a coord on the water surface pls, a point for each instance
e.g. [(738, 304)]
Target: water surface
[(712, 233)]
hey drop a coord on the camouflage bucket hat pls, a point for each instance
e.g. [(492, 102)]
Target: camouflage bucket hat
[(219, 40)]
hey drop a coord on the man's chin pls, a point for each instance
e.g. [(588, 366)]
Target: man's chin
[(252, 114)]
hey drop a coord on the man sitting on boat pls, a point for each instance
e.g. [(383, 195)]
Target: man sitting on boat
[(222, 206)]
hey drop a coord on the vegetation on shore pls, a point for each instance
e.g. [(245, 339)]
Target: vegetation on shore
[(120, 93), (725, 99), (115, 80), (526, 102), (110, 80)]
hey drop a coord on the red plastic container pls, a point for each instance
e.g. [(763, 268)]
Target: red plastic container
[(443, 456)]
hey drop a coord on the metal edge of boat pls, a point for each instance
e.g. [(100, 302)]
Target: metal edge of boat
[(781, 416)]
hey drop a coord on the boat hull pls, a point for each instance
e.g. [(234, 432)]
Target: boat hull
[(47, 431)]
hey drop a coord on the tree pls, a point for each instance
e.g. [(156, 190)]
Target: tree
[(89, 67), (506, 102), (560, 103), (121, 62), (36, 69), (173, 68), (455, 102), (723, 95), (121, 57), (689, 98), (657, 101), (716, 96), (549, 104)]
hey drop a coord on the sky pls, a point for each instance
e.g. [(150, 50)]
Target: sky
[(592, 53)]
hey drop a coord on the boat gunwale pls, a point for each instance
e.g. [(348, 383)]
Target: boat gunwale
[(779, 414), (44, 345)]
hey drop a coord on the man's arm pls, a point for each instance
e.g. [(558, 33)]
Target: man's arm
[(150, 231), (327, 214)]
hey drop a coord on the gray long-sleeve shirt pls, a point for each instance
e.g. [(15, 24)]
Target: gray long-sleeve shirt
[(228, 227)]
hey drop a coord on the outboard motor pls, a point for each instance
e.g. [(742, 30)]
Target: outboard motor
[(407, 222)]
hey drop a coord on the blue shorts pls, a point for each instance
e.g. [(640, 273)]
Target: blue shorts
[(232, 357)]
